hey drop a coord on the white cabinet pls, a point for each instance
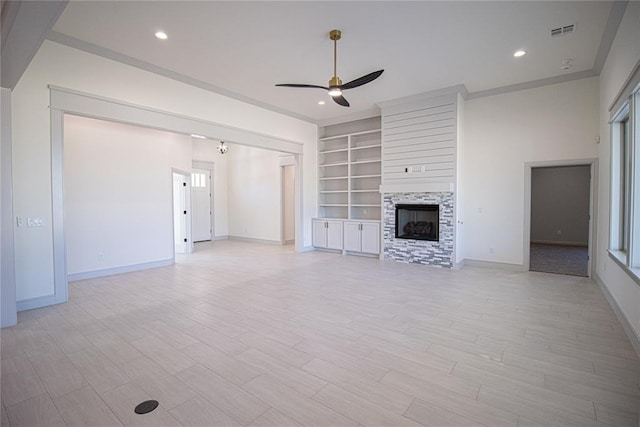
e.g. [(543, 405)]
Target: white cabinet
[(362, 237), (327, 234)]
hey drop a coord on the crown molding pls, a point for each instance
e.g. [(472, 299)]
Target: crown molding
[(84, 46)]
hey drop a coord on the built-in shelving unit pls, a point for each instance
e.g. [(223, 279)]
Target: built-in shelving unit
[(350, 173)]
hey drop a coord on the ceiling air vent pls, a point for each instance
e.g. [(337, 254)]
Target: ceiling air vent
[(562, 31)]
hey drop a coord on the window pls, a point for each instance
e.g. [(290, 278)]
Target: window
[(625, 185), (198, 180), (624, 244)]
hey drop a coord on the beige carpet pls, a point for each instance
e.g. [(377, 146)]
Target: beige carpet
[(559, 259)]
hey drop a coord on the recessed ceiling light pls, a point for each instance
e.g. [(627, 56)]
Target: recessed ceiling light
[(519, 53), (320, 102), (162, 35), (193, 135)]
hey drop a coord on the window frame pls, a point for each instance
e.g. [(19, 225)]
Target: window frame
[(624, 223)]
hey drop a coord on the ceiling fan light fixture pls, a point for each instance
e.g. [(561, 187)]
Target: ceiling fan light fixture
[(519, 53), (161, 35), (335, 91), (335, 86)]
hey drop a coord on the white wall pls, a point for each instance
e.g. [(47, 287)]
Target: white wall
[(118, 193), (254, 188), (624, 54), (204, 150), (560, 202), (7, 274), (59, 65), (502, 133)]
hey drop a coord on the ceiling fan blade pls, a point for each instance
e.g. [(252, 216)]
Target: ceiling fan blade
[(301, 85), (362, 80), (341, 100)]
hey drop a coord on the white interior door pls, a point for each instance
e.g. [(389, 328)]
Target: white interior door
[(180, 213), (201, 202)]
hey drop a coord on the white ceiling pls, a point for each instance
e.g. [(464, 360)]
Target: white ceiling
[(245, 48)]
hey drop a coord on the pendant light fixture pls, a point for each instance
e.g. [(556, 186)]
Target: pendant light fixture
[(222, 149)]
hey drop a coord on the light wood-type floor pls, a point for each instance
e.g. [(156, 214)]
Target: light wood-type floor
[(257, 335)]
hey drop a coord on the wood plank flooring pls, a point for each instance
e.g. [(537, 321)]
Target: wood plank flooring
[(257, 335)]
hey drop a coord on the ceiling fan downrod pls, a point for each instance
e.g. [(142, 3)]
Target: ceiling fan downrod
[(335, 35)]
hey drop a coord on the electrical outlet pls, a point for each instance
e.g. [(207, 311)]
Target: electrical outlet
[(490, 250), (559, 232), (100, 256)]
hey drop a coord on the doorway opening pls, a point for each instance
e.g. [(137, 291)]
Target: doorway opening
[(560, 219), (288, 174), (202, 205)]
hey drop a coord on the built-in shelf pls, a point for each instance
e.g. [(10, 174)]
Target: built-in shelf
[(333, 151), (365, 147), (361, 162), (367, 176), (358, 158), (328, 178), (333, 164), (366, 132)]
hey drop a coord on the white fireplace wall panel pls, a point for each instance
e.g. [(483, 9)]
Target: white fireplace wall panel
[(419, 142)]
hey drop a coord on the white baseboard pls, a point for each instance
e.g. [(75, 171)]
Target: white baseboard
[(252, 240), (624, 321), (459, 265), (491, 264), (332, 251), (119, 270), (362, 254), (220, 237), (306, 249), (38, 302), (553, 242)]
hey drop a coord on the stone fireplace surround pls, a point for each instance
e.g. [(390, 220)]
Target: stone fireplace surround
[(424, 252)]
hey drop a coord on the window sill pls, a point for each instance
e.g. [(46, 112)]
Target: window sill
[(621, 259)]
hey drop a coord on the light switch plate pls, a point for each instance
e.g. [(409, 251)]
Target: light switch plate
[(34, 222)]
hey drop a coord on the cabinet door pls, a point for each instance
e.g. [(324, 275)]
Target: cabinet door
[(334, 235), (370, 237), (352, 236), (319, 234)]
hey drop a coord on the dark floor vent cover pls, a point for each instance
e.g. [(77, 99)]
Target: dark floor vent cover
[(146, 407)]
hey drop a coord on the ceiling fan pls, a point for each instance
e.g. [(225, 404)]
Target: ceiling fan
[(336, 87)]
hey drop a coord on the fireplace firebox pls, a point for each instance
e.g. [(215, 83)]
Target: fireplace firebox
[(418, 222)]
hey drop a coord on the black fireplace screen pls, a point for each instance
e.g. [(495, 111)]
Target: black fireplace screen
[(418, 222)]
